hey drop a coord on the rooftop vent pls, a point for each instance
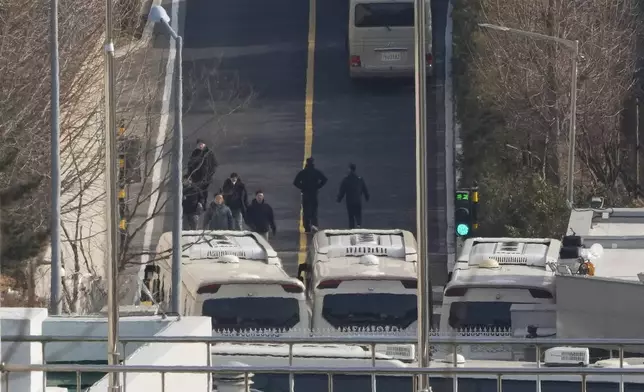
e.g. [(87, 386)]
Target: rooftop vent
[(509, 252), (369, 260)]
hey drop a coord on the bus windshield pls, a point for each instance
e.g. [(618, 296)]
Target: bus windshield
[(245, 313), (467, 315), (370, 310)]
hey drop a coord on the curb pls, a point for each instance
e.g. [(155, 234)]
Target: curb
[(146, 36)]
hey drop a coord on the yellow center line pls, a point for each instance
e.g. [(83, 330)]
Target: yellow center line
[(308, 117)]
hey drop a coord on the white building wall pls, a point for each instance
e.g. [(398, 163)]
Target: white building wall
[(165, 354), (22, 321)]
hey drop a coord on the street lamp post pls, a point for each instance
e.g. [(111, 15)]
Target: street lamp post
[(424, 284), (573, 47), (158, 15)]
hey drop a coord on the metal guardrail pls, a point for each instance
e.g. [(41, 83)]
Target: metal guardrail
[(330, 372), (370, 341)]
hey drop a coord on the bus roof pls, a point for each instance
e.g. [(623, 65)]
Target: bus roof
[(331, 244), (248, 271), (299, 350), (211, 244)]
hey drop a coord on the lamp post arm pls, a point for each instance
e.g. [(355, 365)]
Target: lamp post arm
[(566, 42)]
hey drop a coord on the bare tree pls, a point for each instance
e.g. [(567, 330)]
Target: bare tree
[(529, 81)]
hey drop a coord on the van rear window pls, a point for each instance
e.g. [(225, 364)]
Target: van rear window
[(384, 15)]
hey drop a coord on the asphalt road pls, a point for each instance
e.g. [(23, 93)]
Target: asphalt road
[(261, 47)]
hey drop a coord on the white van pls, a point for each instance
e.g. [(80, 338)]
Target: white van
[(491, 275), (381, 38), (362, 279), (236, 278)]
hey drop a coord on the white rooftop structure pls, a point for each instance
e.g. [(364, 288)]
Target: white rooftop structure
[(398, 244), (365, 254), (493, 262), (620, 231)]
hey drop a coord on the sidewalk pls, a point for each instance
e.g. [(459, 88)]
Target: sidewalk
[(140, 96)]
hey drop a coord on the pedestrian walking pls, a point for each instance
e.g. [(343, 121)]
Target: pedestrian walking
[(236, 198), (192, 207), (353, 187), (218, 216), (202, 166), (260, 216), (309, 181)]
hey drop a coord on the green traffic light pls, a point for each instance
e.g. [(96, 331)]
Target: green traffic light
[(462, 229)]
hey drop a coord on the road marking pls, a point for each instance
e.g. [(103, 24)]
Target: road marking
[(158, 148), (308, 116)]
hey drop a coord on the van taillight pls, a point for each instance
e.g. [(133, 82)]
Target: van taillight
[(455, 292), (410, 284), (429, 58), (329, 284), (355, 61), (537, 293), (209, 289), (292, 288)]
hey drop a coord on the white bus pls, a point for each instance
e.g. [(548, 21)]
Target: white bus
[(313, 356), (381, 38), (236, 278), (347, 356), (362, 278), (491, 275)]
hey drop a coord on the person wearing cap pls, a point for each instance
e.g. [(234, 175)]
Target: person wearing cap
[(309, 181), (353, 187), (202, 166)]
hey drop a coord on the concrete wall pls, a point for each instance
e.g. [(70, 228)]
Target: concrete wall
[(96, 326), (164, 354), (21, 321)]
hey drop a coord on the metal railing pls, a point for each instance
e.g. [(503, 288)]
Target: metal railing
[(248, 371), (539, 344)]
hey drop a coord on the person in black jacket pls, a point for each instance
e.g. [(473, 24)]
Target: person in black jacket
[(236, 199), (201, 168), (191, 205), (353, 187), (260, 216), (309, 181)]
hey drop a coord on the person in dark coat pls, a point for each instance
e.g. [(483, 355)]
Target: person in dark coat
[(353, 187), (309, 181), (202, 166), (192, 207), (260, 216), (218, 216), (236, 199)]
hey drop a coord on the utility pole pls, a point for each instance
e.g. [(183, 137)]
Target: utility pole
[(56, 303), (111, 216), (424, 283)]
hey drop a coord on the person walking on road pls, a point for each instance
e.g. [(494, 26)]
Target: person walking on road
[(236, 199), (202, 166), (309, 181), (353, 187), (192, 207), (260, 216), (218, 216)]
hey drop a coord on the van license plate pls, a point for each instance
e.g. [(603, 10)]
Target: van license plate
[(391, 56)]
